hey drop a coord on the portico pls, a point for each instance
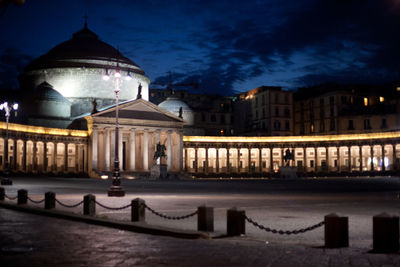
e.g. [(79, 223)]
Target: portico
[(141, 126)]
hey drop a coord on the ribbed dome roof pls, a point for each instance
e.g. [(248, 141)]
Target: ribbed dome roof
[(45, 91), (84, 44), (173, 103)]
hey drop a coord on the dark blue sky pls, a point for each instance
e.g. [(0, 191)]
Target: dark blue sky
[(225, 46)]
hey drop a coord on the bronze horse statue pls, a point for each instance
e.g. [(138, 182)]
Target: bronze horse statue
[(160, 151), (289, 155)]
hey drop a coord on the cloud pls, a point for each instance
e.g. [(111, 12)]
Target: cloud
[(346, 40)]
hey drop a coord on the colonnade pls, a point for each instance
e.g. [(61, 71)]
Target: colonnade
[(44, 153), (214, 155), (136, 148)]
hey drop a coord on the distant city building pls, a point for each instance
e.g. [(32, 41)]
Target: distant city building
[(204, 114), (338, 109), (263, 111)]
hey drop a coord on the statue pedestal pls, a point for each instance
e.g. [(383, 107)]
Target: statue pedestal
[(158, 172), (288, 172)]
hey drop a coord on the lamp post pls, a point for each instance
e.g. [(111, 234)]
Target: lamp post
[(6, 180), (115, 189)]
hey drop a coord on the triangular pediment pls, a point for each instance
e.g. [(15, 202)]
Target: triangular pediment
[(139, 109)]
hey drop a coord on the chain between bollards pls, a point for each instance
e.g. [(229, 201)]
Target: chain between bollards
[(10, 198), (69, 206), (282, 232), (169, 217), (36, 201), (112, 208)]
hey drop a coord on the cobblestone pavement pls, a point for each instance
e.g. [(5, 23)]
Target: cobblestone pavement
[(32, 240)]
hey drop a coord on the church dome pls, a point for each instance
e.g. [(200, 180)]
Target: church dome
[(173, 105), (46, 92), (75, 68), (84, 46)]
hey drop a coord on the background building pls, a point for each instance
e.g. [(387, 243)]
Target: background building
[(263, 111), (340, 109)]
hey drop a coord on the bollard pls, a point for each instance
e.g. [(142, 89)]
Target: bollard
[(385, 233), (49, 200), (22, 196), (2, 193), (235, 222), (336, 231), (138, 213), (89, 205), (205, 219)]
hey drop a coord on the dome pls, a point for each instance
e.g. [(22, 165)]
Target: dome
[(75, 69), (173, 105), (85, 45), (45, 91)]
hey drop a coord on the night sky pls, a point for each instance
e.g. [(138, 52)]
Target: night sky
[(225, 46)]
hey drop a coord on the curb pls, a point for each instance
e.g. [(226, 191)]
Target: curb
[(138, 227)]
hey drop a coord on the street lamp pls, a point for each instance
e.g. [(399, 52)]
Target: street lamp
[(6, 180), (116, 190)]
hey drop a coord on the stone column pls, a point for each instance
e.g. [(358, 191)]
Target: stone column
[(304, 159), (77, 158), (316, 159), (217, 160), (94, 149), (85, 158), (55, 157), (260, 159), (394, 156), (132, 150), (383, 157), (338, 158), (45, 157), (271, 160), (4, 154), (206, 164), (196, 160), (361, 158), (228, 168), (372, 156), (327, 159), (349, 149), (282, 153), (65, 157), (186, 159), (169, 151), (146, 150), (238, 160), (158, 141), (34, 156), (107, 150), (180, 136), (24, 157), (14, 161), (249, 158)]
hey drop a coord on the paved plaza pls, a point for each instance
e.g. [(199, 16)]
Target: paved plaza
[(286, 205)]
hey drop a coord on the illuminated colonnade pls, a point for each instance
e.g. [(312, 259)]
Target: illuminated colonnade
[(34, 149), (327, 153)]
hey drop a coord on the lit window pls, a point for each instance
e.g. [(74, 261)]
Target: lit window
[(312, 128), (398, 88), (365, 101), (222, 131), (381, 99)]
